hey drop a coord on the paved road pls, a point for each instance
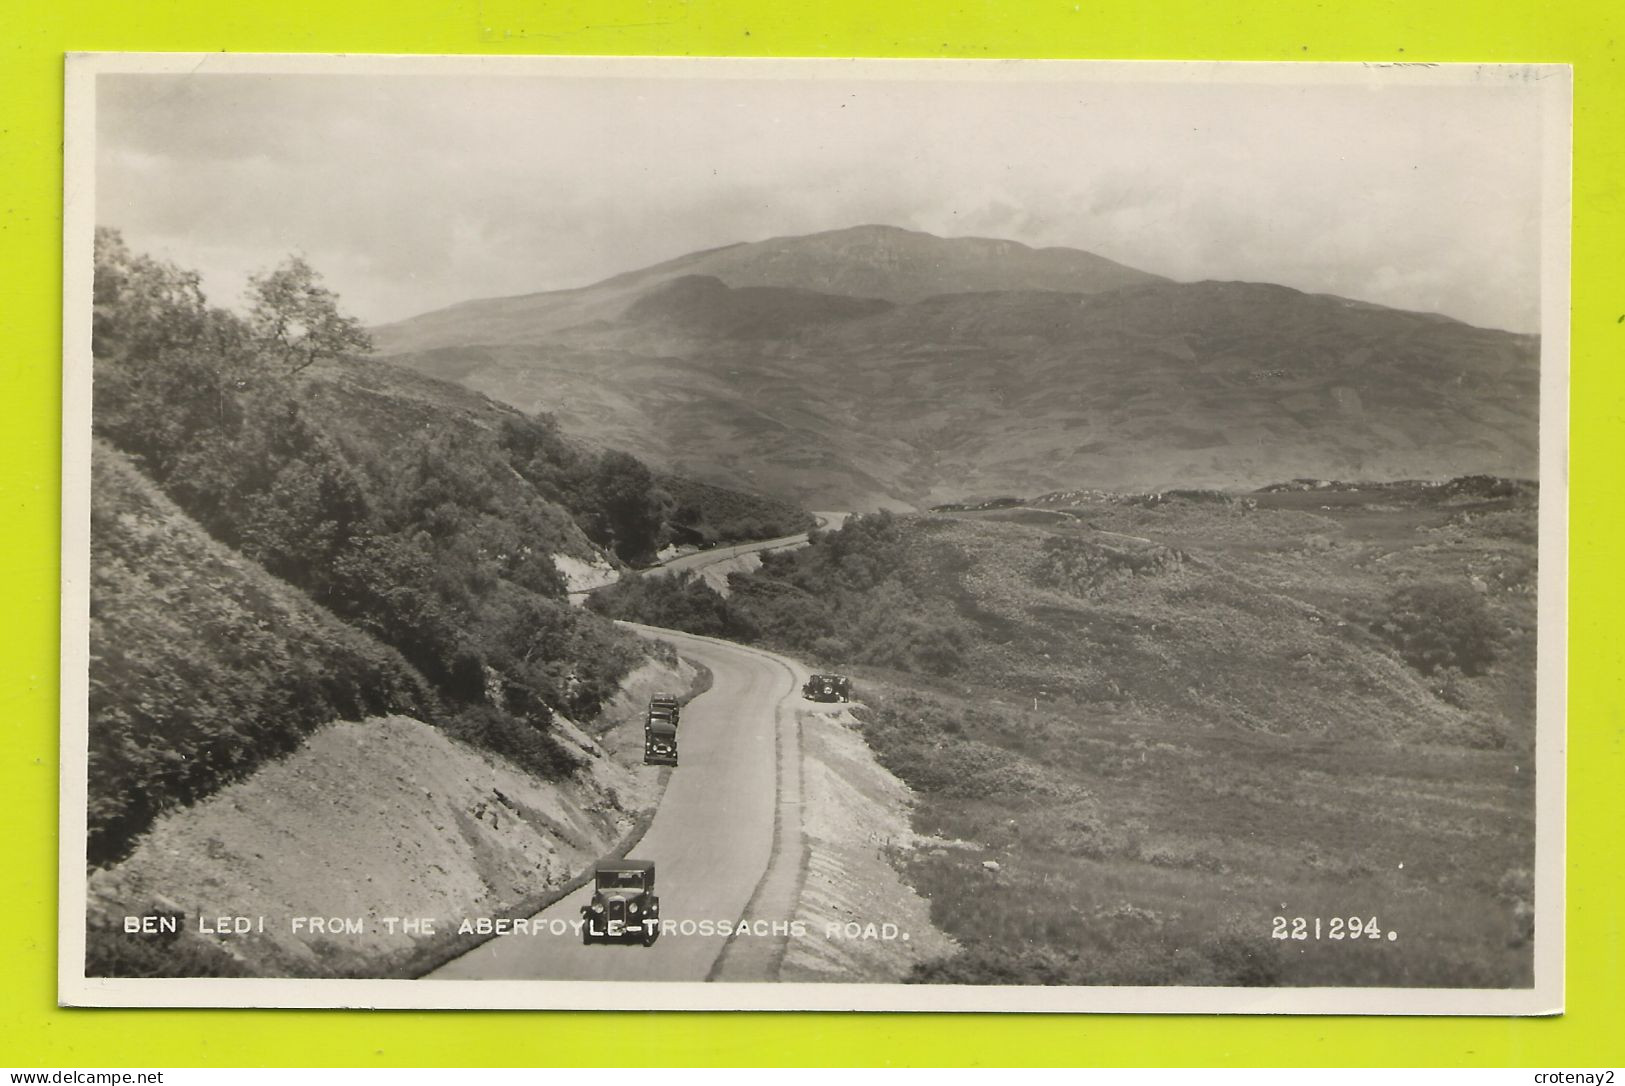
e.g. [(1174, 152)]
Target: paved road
[(711, 840), (700, 559)]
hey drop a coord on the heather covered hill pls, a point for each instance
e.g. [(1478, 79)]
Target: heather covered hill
[(1263, 614), (1004, 381)]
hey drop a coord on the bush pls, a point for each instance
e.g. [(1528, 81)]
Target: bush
[(679, 601), (526, 744), (1440, 625), (551, 654)]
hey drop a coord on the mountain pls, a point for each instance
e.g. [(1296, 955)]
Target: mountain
[(879, 368), (881, 262)]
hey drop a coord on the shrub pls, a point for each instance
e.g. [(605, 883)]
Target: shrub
[(526, 744), (1439, 625), (679, 601)]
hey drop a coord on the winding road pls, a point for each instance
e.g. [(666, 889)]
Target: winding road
[(712, 839), (698, 562)]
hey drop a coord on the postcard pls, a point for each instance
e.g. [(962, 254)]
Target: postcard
[(643, 533)]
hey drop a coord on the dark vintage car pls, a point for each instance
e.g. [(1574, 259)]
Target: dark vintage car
[(827, 688), (660, 743), (624, 908), (666, 703)]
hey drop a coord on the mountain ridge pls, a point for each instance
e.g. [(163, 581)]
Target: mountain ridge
[(911, 265)]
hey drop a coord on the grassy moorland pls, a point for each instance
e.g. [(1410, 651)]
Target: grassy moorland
[(1166, 720)]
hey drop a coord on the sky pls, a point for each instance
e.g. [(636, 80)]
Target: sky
[(409, 192)]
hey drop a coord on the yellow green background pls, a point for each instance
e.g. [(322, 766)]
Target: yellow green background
[(34, 34)]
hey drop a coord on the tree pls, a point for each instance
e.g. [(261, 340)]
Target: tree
[(168, 366), (141, 306), (293, 313)]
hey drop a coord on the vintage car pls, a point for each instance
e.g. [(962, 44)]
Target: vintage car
[(660, 743), (668, 704), (827, 688), (624, 908)]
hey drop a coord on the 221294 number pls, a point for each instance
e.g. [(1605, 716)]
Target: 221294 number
[(1336, 927)]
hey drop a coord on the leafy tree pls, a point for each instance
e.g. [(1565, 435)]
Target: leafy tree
[(141, 306), (168, 367), (633, 508), (293, 313)]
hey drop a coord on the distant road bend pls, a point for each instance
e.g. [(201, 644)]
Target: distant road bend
[(700, 559), (697, 562), (711, 840)]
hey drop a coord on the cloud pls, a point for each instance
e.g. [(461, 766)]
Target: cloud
[(412, 192)]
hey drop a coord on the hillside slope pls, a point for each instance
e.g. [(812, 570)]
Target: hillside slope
[(1265, 615), (558, 486), (203, 665), (383, 817)]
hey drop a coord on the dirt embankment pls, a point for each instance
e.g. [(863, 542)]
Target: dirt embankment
[(584, 576), (381, 820), (855, 819)]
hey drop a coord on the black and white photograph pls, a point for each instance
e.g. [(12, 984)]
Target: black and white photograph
[(814, 535)]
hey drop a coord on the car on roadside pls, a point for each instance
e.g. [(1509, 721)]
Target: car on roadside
[(660, 743), (827, 688), (624, 908), (666, 703)]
